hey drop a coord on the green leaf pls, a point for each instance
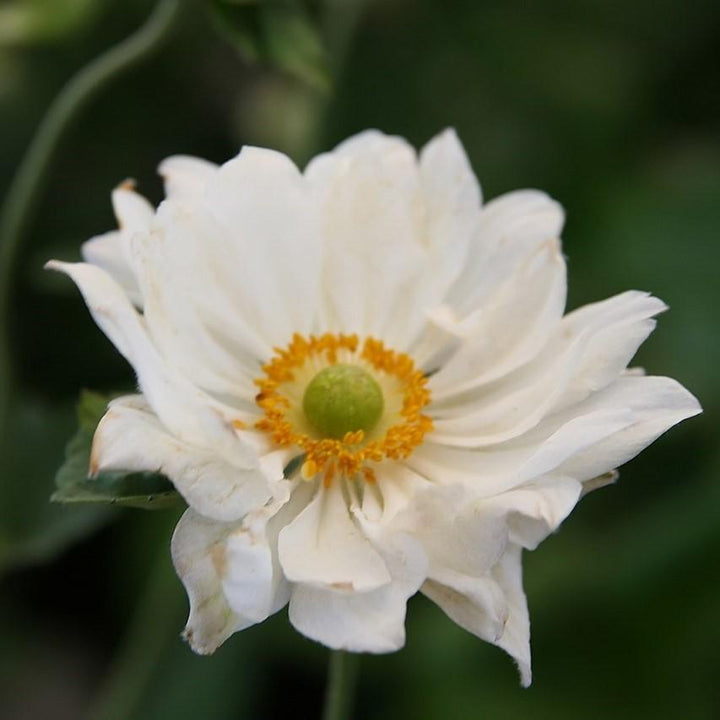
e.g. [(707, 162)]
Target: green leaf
[(131, 489), (33, 530), (240, 24), (279, 33), (295, 45)]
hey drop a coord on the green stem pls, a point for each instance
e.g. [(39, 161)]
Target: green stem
[(342, 672), (31, 175)]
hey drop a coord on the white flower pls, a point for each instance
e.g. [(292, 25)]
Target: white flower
[(459, 419)]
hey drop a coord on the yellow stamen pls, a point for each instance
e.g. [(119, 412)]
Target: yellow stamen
[(347, 456)]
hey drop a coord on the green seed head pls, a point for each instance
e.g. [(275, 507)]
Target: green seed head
[(341, 399)]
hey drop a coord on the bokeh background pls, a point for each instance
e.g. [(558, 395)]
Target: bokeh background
[(611, 107)]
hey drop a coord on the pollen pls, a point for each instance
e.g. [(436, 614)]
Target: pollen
[(380, 419)]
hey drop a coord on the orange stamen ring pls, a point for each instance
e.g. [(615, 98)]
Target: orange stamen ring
[(352, 455)]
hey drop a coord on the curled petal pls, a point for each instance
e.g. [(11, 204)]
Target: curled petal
[(656, 403), (592, 346), (196, 543), (534, 510), (183, 409), (492, 607), (130, 437), (371, 621), (106, 251)]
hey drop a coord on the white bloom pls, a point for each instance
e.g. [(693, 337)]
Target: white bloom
[(494, 409)]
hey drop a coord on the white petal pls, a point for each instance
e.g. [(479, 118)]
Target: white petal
[(492, 607), (534, 510), (364, 144), (452, 202), (657, 403), (251, 575), (493, 299), (184, 410), (106, 251), (503, 336), (515, 640), (455, 530), (372, 209), (130, 437), (591, 347), (271, 221), (193, 307), (612, 332), (324, 547), (511, 228), (195, 543), (489, 471), (111, 251), (476, 604), (133, 212), (186, 176), (394, 490), (371, 621)]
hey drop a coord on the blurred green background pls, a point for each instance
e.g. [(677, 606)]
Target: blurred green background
[(611, 107)]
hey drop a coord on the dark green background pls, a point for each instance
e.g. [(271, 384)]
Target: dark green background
[(611, 107)]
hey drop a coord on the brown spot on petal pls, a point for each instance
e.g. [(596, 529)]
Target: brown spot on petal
[(344, 586), (219, 559)]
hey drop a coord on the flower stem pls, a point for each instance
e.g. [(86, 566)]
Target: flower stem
[(342, 672), (32, 173)]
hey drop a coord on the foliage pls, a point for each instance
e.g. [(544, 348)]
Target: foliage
[(279, 32), (134, 489), (611, 112)]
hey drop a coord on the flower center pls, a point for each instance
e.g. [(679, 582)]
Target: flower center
[(346, 405), (343, 398)]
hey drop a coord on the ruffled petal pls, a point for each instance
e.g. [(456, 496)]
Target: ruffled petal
[(590, 349), (195, 543), (489, 471), (130, 437), (252, 578), (372, 621), (534, 510), (511, 228), (657, 403), (456, 531), (324, 547), (476, 604), (498, 339), (515, 639), (492, 607)]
